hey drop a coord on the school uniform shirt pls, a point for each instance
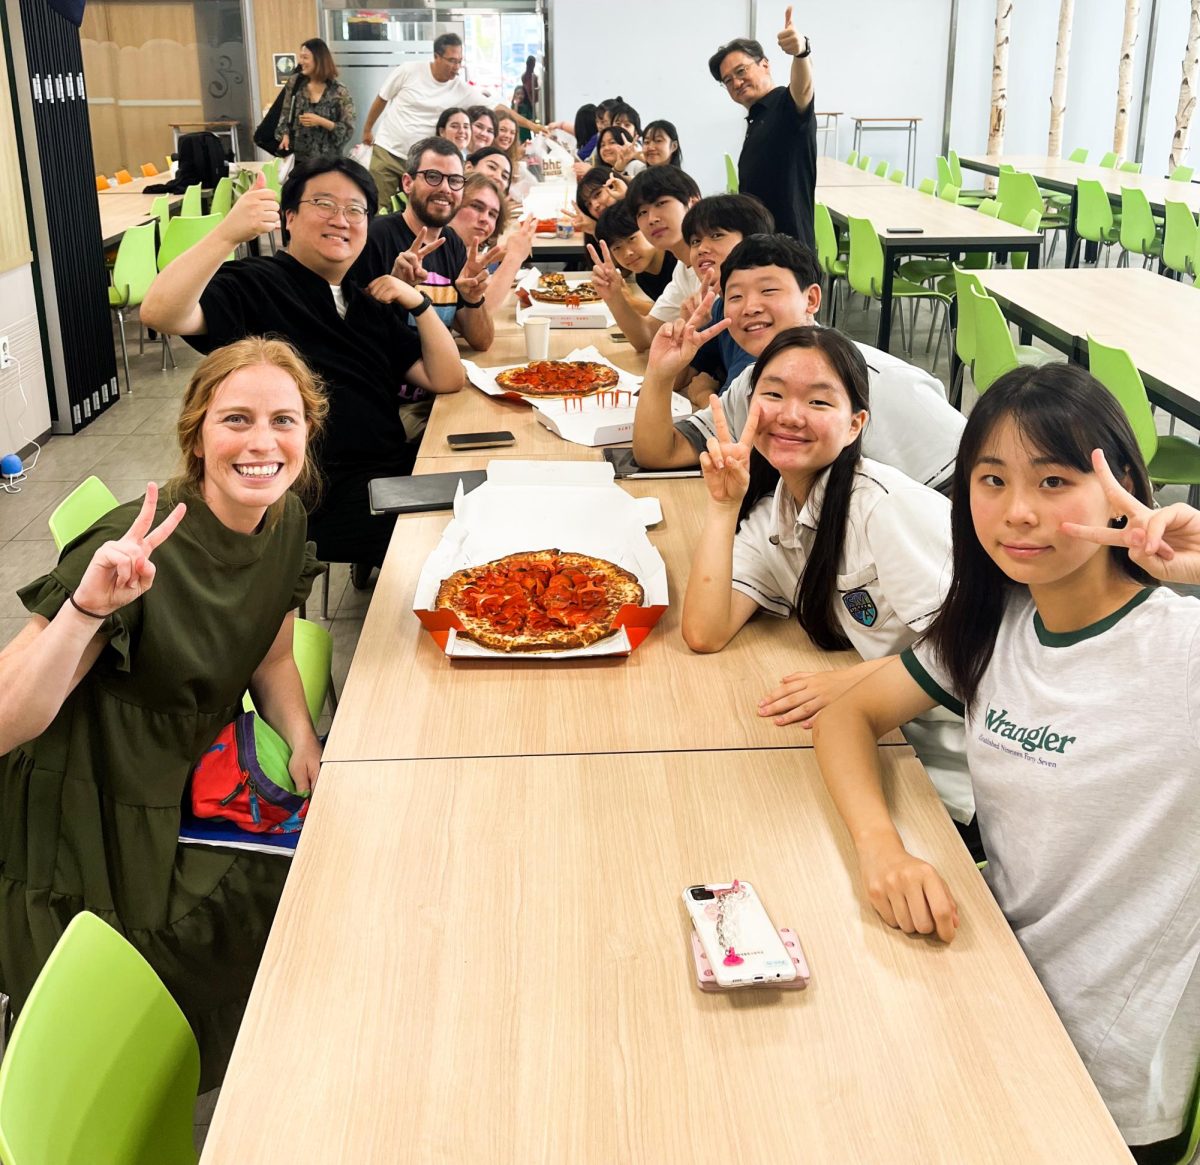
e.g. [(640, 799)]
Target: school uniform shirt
[(778, 163), (891, 581), (1085, 755), (684, 282), (912, 427), (414, 103)]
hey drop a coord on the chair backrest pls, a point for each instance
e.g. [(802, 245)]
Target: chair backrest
[(731, 176), (1079, 154), (1138, 228), (222, 198), (270, 173), (864, 162), (990, 207), (928, 186), (89, 501), (102, 1066), (149, 169), (102, 183), (1109, 161), (1182, 174), (182, 233), (1018, 194), (956, 174), (944, 177), (881, 170), (123, 176), (193, 204), (995, 353), (136, 264), (1019, 260), (948, 192), (852, 158), (826, 237), (160, 209), (897, 176), (312, 649), (1094, 217), (1131, 167), (866, 258), (964, 333), (1179, 238), (1115, 369)]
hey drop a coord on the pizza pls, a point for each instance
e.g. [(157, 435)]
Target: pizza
[(555, 378), (554, 288), (538, 600)]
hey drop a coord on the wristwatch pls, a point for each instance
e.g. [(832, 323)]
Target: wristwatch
[(807, 50), (425, 304)]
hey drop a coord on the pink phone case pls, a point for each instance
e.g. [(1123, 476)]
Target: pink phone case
[(707, 981)]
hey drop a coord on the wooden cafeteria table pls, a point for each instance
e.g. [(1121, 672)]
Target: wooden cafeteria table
[(946, 229), (1153, 318), (487, 960), (831, 172), (117, 215)]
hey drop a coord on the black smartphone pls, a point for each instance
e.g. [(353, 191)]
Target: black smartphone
[(618, 337), (905, 230), (480, 440)]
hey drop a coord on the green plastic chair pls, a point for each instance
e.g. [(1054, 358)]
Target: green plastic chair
[(1019, 260), (1169, 460), (1079, 154), (193, 204), (132, 274), (160, 209), (898, 177), (89, 501), (270, 173), (1094, 219), (182, 233), (881, 171), (312, 649), (948, 192), (222, 199), (995, 352), (928, 186), (852, 158), (102, 1067), (731, 176), (965, 196), (1179, 240), (1182, 174), (866, 277), (1140, 234), (1131, 167), (1109, 161), (990, 207), (864, 163), (829, 255)]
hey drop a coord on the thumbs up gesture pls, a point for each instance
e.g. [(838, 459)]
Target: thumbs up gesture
[(790, 41), (255, 213)]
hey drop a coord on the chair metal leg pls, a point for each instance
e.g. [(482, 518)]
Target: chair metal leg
[(943, 330), (325, 594), (166, 351), (124, 350), (141, 336)]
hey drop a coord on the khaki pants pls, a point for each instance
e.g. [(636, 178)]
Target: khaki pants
[(387, 170)]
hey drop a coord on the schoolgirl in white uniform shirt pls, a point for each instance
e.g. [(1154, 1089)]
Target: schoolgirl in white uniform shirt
[(1080, 678), (799, 522)]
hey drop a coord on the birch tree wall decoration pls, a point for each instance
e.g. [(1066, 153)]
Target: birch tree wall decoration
[(1187, 90), (1125, 76), (1058, 95), (995, 144)]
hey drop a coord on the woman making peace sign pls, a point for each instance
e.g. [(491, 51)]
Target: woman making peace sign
[(140, 645)]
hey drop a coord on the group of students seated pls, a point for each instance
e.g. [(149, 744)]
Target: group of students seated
[(1000, 575)]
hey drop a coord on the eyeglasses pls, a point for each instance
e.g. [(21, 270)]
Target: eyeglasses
[(435, 178), (737, 75), (355, 212)]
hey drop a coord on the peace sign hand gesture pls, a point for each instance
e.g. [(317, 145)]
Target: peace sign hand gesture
[(726, 463), (408, 264), (472, 281), (1165, 543), (120, 571), (606, 279), (789, 38), (676, 343)]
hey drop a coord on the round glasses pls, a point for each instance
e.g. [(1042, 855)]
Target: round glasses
[(436, 177), (327, 208)]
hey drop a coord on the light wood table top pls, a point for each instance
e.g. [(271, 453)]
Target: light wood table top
[(831, 172), (487, 960), (403, 698), (137, 185), (1153, 318), (117, 215), (942, 223)]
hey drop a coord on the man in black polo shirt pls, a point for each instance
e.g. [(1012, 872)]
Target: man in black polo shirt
[(779, 156), (359, 340)]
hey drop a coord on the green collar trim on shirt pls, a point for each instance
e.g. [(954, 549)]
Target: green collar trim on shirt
[(1068, 638), (928, 684)]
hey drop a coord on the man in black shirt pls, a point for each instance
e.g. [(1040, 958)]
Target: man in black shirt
[(357, 339), (778, 163)]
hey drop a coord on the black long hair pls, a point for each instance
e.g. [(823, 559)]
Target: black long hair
[(1064, 413), (676, 158), (816, 601)]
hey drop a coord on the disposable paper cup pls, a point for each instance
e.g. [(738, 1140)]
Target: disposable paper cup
[(537, 337)]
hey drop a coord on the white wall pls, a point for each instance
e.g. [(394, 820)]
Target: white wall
[(20, 422)]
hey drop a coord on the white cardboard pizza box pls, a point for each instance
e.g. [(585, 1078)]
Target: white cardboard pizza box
[(484, 379), (588, 315), (536, 505), (603, 419)]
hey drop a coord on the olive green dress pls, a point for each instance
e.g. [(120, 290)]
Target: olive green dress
[(89, 811)]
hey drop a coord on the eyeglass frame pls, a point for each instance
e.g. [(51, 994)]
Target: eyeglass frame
[(738, 73), (436, 180), (345, 207)]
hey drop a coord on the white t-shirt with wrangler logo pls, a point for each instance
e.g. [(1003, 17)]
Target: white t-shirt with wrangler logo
[(1084, 751)]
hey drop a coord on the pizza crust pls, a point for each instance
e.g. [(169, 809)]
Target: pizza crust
[(540, 600), (544, 378)]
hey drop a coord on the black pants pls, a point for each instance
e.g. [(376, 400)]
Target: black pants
[(343, 526), (971, 839)]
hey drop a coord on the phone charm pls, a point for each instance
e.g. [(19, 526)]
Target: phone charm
[(727, 923)]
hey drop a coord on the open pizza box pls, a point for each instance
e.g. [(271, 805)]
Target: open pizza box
[(535, 505), (484, 379), (587, 315), (551, 198)]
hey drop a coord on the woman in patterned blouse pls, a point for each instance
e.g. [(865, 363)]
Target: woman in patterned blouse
[(317, 119)]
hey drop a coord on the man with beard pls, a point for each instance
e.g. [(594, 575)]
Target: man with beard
[(415, 247)]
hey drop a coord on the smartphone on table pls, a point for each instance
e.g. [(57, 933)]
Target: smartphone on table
[(480, 440), (741, 944)]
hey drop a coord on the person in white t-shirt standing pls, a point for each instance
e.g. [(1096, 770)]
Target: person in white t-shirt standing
[(408, 106)]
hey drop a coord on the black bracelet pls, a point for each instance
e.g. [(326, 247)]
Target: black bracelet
[(425, 304), (84, 610), (464, 302)]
